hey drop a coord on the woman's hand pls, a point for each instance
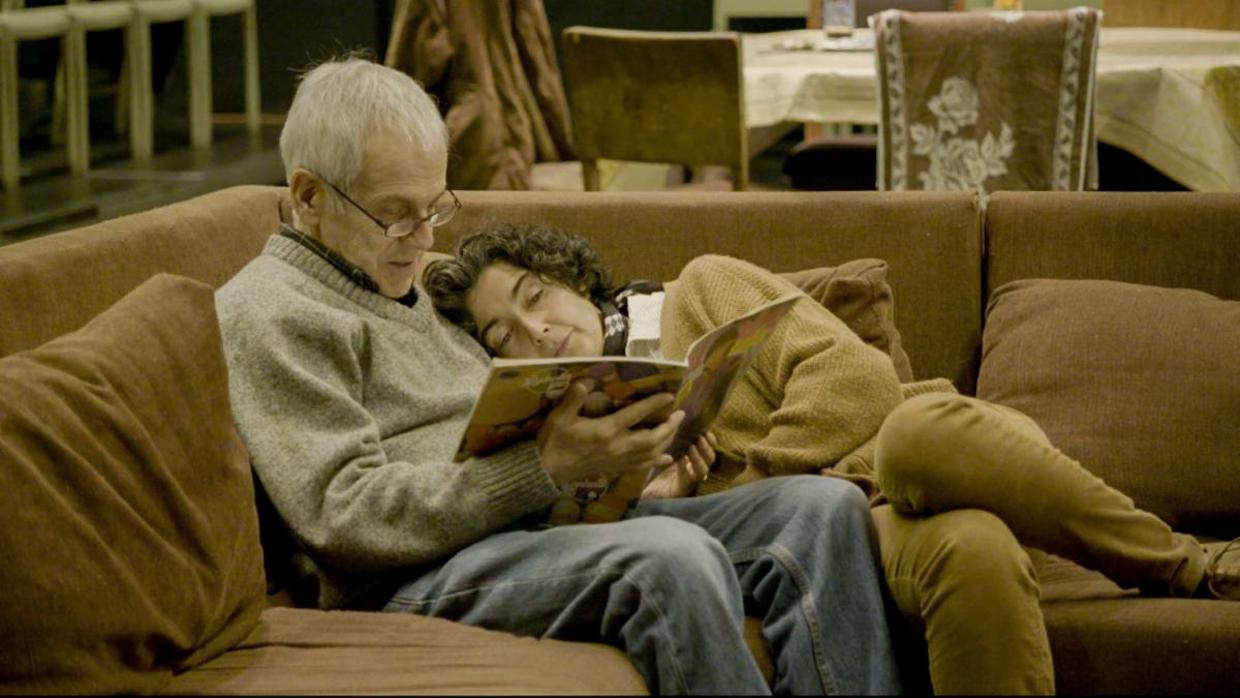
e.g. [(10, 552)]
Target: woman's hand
[(680, 479), (574, 447)]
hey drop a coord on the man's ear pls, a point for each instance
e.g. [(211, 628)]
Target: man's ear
[(309, 198)]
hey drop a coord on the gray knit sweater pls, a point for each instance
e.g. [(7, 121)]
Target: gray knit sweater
[(351, 405)]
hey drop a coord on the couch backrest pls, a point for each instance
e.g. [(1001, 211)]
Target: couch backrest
[(1174, 239), (55, 284), (932, 242)]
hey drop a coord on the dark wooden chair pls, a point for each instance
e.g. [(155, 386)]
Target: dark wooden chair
[(655, 96)]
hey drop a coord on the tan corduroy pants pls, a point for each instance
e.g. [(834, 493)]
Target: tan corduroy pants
[(969, 483)]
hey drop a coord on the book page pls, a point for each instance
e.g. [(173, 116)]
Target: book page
[(519, 393), (716, 361)]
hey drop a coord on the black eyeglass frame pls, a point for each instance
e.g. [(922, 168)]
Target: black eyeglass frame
[(417, 222)]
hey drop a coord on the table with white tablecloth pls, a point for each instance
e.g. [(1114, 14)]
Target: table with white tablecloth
[(1170, 96)]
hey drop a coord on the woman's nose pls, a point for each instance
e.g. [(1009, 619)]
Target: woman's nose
[(537, 329)]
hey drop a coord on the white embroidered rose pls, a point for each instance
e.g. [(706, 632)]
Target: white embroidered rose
[(967, 160), (955, 105), (959, 162)]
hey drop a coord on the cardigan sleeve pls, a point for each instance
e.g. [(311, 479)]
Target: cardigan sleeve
[(816, 392)]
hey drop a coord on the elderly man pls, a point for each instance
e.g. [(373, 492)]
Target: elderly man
[(351, 393)]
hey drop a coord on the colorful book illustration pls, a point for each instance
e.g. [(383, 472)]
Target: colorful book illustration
[(520, 393)]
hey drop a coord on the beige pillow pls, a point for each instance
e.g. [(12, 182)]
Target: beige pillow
[(127, 520), (857, 292), (1141, 384)]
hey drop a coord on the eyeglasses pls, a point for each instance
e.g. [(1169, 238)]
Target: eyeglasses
[(406, 226)]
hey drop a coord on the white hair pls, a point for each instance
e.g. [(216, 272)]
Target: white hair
[(339, 102)]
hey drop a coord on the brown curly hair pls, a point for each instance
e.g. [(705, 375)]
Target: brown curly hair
[(554, 255)]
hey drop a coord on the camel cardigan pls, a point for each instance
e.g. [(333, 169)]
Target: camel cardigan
[(816, 394)]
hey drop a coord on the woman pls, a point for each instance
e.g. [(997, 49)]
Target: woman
[(957, 484)]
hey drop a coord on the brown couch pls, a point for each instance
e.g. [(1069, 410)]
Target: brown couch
[(1153, 371)]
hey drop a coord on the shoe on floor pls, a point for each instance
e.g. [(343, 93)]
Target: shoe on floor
[(1223, 569)]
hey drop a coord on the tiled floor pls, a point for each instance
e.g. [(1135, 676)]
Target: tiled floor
[(117, 186)]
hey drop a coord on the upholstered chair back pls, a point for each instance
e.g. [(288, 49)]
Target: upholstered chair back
[(987, 100)]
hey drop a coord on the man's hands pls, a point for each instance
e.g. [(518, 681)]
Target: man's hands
[(574, 447), (692, 468)]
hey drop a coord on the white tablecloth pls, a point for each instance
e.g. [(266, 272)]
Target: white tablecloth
[(1152, 97)]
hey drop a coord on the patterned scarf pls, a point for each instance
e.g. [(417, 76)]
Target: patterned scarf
[(615, 329)]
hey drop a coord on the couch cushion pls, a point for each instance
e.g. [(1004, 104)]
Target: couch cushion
[(296, 651), (1144, 646), (127, 523), (857, 292), (1139, 383), (1108, 640)]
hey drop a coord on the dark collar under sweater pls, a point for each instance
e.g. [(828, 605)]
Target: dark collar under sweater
[(355, 274)]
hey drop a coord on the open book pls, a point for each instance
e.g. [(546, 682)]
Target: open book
[(519, 393)]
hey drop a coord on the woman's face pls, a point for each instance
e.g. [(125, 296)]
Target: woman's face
[(521, 316)]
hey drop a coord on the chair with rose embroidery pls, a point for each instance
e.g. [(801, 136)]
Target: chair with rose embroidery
[(987, 100)]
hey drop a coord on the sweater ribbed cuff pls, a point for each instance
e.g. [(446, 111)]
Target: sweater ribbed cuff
[(514, 479)]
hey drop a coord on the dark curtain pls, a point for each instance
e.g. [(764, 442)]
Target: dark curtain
[(491, 64)]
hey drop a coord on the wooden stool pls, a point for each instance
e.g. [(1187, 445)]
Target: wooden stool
[(21, 25)]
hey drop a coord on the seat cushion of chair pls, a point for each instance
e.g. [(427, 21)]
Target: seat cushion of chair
[(298, 651)]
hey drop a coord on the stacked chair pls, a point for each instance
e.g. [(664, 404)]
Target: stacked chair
[(71, 23)]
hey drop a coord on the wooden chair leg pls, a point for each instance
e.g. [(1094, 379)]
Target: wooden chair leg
[(60, 105), (10, 135), (589, 175), (141, 92), (740, 178), (199, 41), (76, 100), (124, 90), (253, 97)]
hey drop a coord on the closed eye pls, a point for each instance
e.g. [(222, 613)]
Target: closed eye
[(393, 214), (503, 341)]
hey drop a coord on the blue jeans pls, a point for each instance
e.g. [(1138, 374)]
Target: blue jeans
[(671, 584)]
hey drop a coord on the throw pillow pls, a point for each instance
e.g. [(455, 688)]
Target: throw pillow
[(857, 292), (1138, 383), (127, 522)]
